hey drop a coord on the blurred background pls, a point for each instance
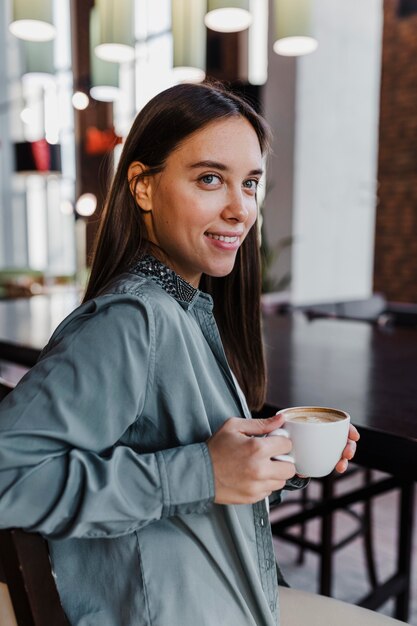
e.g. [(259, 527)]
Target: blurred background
[(337, 82), (339, 202)]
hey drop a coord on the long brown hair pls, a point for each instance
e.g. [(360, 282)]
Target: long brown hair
[(167, 120)]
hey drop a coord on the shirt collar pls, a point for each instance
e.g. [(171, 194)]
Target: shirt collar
[(166, 278)]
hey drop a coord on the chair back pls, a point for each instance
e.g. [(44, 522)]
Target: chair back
[(26, 569), (28, 574)]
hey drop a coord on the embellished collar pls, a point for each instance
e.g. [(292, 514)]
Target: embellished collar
[(166, 278)]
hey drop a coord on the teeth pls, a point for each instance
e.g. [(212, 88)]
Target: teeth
[(222, 238)]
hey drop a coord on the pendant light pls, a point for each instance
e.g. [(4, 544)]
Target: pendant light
[(292, 21), (104, 74), (116, 30), (228, 16), (189, 40), (32, 20)]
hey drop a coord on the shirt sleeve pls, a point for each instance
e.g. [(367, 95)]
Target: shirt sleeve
[(63, 471)]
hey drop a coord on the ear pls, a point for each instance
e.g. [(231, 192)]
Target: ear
[(140, 189)]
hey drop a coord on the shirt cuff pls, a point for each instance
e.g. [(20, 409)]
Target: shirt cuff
[(296, 482), (187, 479)]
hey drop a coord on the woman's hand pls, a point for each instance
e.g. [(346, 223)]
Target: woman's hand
[(244, 472), (349, 451)]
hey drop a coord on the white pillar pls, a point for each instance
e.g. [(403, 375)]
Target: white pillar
[(325, 169)]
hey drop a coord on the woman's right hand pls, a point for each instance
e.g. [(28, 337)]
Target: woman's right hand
[(244, 471)]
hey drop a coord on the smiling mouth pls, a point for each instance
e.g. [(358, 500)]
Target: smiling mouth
[(224, 238)]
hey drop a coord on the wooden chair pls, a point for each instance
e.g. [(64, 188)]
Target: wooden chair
[(7, 616), (28, 575), (326, 545), (27, 587)]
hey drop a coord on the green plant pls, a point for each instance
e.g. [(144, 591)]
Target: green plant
[(269, 256)]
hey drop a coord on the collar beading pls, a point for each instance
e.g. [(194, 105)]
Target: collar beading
[(166, 278)]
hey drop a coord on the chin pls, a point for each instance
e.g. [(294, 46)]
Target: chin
[(220, 272)]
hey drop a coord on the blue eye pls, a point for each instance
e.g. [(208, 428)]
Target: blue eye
[(251, 184), (209, 179)]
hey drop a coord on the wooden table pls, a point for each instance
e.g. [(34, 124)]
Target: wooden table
[(371, 372)]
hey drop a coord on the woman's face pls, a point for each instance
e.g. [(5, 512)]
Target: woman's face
[(199, 209)]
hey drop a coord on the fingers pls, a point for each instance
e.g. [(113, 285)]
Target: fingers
[(353, 433), (242, 465), (349, 451), (342, 466), (265, 479), (268, 447), (255, 426)]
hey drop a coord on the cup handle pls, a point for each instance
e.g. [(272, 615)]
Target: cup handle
[(281, 432)]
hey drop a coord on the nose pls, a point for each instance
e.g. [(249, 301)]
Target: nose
[(236, 208)]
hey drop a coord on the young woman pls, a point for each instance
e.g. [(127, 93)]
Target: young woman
[(130, 445)]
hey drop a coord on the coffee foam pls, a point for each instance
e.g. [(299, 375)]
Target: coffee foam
[(313, 416)]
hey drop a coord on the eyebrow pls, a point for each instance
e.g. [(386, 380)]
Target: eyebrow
[(220, 166)]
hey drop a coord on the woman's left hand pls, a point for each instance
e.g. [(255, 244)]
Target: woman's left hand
[(349, 451)]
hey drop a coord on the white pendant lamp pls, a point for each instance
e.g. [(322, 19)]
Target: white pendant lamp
[(189, 40), (116, 32), (293, 34), (228, 16), (104, 74), (32, 20)]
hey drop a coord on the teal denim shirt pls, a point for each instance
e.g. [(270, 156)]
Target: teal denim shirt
[(102, 450)]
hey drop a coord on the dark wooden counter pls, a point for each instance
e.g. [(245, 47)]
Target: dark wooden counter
[(368, 371)]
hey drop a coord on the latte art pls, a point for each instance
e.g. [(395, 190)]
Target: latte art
[(314, 418)]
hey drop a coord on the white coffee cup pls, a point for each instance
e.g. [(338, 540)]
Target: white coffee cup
[(318, 435)]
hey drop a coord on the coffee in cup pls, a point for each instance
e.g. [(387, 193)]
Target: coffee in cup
[(318, 435)]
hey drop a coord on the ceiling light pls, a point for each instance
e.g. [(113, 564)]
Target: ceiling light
[(189, 40), (293, 32), (295, 46), (104, 74), (32, 20), (116, 31), (80, 100), (86, 204), (228, 16)]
